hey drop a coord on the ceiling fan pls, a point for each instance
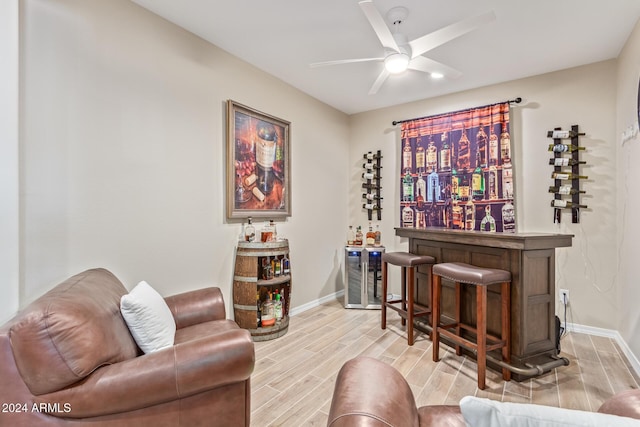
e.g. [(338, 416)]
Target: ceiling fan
[(402, 54)]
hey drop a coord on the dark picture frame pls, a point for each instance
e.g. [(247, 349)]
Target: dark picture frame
[(258, 164)]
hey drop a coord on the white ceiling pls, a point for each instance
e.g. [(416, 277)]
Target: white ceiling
[(282, 37)]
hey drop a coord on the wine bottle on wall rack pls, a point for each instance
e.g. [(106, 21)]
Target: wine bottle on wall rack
[(370, 155), (562, 134), (370, 186), (371, 196), (565, 204), (565, 161), (370, 175), (567, 176), (565, 189), (371, 206), (564, 148)]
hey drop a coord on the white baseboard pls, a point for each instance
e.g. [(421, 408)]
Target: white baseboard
[(316, 303), (608, 333)]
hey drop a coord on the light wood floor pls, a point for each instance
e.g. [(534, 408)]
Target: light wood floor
[(295, 374)]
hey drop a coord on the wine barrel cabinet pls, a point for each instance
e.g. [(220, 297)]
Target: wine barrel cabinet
[(252, 286)]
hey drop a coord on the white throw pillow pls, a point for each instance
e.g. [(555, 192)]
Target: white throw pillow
[(479, 412), (148, 317)]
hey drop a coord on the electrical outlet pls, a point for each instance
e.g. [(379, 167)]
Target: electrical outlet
[(563, 294)]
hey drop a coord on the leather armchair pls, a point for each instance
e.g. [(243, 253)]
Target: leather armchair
[(69, 359)]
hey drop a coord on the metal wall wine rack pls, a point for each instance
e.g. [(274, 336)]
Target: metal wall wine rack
[(569, 157), (373, 196)]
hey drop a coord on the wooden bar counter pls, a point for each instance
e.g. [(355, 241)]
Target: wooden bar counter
[(530, 257)]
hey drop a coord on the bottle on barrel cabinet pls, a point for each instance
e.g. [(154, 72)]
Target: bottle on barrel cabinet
[(565, 189), (249, 231), (565, 204), (268, 312), (259, 315), (564, 148), (377, 242), (286, 268), (266, 140), (278, 308)]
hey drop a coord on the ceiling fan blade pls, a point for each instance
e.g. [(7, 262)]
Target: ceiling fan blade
[(379, 26), (343, 61), (421, 63), (381, 78), (443, 35)]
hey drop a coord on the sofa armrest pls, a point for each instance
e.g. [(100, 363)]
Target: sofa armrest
[(624, 404), (370, 392), (163, 376), (199, 306)]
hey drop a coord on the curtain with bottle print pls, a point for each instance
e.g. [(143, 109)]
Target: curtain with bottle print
[(456, 171)]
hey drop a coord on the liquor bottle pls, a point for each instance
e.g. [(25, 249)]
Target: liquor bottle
[(567, 176), (493, 147), (371, 236), (249, 231), (481, 140), (421, 187), (464, 189), (407, 216), (445, 153), (286, 269), (266, 233), (432, 156), (259, 311), (493, 182), (277, 268), (508, 218), (420, 162), (564, 148), (378, 237), (507, 180), (470, 216), (477, 179), (407, 160), (421, 221), (351, 236), (455, 181), (371, 206), (268, 312), (464, 151), (407, 187), (274, 231), (358, 241), (488, 223), (562, 134), (565, 204), (433, 188), (505, 145), (266, 139), (457, 216), (565, 189), (278, 308), (565, 161)]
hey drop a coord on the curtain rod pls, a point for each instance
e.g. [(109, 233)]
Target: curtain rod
[(518, 100)]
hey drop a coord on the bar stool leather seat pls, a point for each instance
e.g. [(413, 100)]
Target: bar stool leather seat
[(481, 278), (406, 306)]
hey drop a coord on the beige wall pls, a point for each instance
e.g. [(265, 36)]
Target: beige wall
[(9, 186), (628, 204), (123, 154), (585, 96)]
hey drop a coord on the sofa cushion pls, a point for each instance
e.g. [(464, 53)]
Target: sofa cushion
[(479, 412), (70, 331), (148, 317)]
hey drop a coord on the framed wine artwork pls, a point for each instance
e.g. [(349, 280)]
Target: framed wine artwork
[(258, 164)]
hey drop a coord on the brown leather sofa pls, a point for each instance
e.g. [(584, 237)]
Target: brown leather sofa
[(371, 393), (68, 359)]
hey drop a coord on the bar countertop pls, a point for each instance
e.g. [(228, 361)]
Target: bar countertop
[(521, 241)]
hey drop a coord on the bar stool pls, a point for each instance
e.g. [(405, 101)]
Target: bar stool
[(481, 278), (406, 305)]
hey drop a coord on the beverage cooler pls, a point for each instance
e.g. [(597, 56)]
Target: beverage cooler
[(363, 277)]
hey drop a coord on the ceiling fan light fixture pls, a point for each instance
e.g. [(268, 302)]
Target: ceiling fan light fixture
[(436, 75), (396, 62)]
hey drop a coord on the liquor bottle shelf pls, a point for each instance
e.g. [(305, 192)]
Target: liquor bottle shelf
[(275, 281)]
